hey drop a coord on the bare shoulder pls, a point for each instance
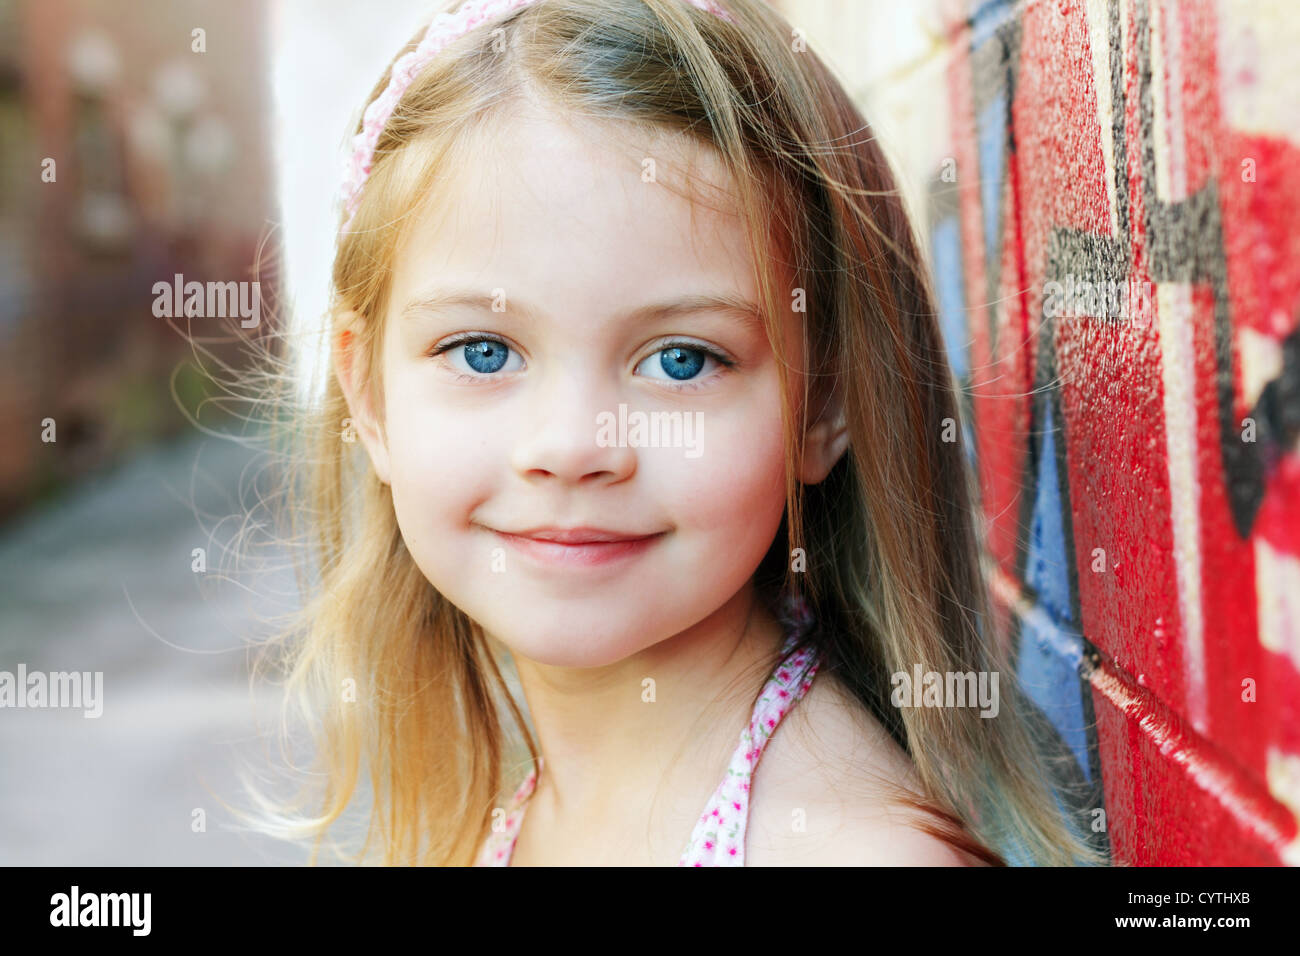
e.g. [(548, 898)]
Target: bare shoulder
[(821, 794)]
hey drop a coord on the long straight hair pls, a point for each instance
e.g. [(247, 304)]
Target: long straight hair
[(893, 572)]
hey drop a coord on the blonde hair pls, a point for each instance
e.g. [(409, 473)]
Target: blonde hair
[(894, 574)]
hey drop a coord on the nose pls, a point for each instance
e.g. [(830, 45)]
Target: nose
[(560, 437)]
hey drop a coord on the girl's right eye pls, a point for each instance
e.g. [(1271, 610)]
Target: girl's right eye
[(476, 356)]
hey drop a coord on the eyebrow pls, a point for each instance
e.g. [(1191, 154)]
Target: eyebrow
[(728, 303)]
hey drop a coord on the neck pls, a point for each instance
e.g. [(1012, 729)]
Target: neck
[(607, 743)]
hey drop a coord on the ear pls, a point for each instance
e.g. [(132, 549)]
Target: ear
[(824, 443), (352, 370)]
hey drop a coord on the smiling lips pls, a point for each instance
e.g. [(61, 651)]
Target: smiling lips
[(578, 547)]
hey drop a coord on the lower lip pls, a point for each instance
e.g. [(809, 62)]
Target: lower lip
[(591, 554)]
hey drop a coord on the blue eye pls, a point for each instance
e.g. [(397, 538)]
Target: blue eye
[(486, 356), (682, 361), (481, 355)]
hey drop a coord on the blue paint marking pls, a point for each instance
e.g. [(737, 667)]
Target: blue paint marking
[(987, 17), (1049, 653), (991, 133), (1053, 683), (945, 243), (1048, 568), (991, 123)]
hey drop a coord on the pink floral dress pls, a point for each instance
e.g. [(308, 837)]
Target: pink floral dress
[(719, 836)]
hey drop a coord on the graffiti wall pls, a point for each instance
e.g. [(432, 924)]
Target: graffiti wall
[(1116, 243), (1110, 194)]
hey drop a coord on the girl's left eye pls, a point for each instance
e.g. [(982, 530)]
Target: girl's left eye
[(682, 362)]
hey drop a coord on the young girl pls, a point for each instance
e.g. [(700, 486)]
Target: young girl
[(635, 475)]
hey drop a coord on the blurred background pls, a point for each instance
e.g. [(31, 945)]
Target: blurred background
[(1144, 140), (141, 141)]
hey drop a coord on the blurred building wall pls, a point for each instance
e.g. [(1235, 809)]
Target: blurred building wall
[(160, 165), (1140, 468)]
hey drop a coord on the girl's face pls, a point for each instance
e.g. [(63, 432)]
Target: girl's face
[(550, 295)]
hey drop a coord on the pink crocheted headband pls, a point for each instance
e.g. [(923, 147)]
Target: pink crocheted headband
[(445, 28)]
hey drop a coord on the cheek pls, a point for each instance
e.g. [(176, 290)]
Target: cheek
[(735, 490), (440, 460)]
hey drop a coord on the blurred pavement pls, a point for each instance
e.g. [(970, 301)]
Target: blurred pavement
[(122, 788)]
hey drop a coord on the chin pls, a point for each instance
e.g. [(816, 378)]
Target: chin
[(573, 646)]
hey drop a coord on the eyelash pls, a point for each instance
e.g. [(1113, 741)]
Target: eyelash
[(470, 337)]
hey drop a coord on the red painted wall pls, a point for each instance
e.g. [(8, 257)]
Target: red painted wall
[(1140, 466)]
